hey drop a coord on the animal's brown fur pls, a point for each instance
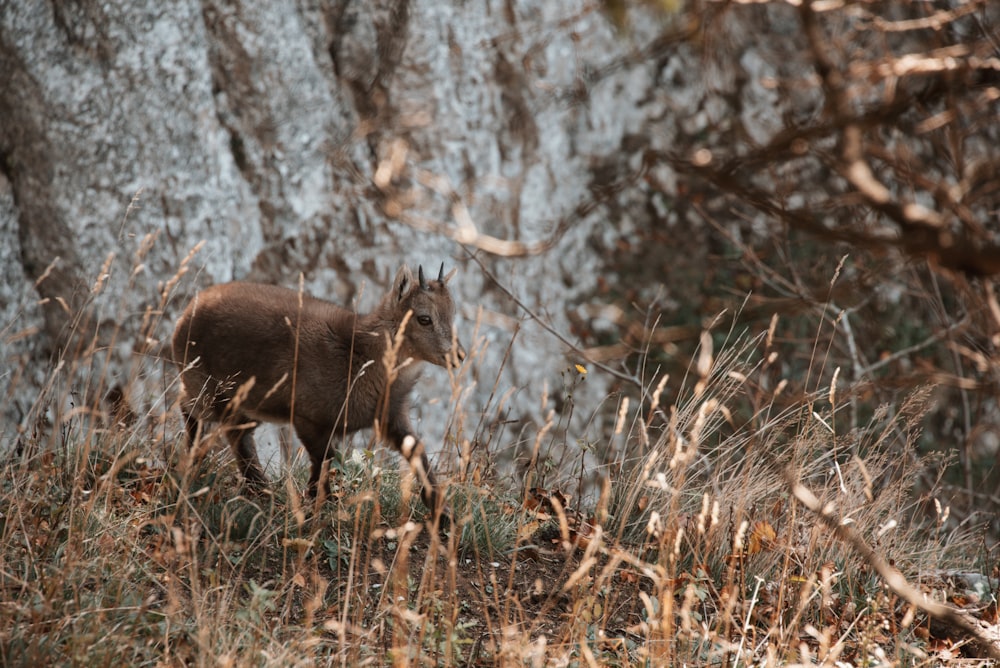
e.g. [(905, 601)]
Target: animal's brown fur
[(237, 345)]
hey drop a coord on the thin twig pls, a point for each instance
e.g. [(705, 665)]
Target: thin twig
[(621, 375)]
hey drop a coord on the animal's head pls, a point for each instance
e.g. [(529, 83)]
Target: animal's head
[(429, 334)]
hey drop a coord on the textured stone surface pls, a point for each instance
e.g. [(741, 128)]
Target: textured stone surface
[(139, 129)]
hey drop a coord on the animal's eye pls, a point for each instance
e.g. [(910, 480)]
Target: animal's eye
[(424, 320)]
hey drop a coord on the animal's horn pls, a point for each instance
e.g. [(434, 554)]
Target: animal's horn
[(441, 273), (420, 274)]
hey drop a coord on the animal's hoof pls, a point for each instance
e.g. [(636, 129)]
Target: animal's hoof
[(442, 519), (257, 487)]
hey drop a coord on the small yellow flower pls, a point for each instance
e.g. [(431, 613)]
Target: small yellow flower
[(580, 369)]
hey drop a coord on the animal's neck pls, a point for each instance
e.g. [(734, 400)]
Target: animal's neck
[(374, 338), (384, 317)]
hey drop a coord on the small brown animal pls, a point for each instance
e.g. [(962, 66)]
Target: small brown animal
[(253, 353)]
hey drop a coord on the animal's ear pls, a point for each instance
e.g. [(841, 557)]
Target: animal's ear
[(448, 277), (404, 277)]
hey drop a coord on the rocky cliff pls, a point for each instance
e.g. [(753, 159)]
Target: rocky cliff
[(329, 139), (335, 140)]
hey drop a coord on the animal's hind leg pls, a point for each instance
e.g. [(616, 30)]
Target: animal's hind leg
[(191, 426), (316, 440), (240, 435), (195, 413)]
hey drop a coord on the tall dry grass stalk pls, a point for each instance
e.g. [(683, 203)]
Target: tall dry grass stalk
[(115, 548)]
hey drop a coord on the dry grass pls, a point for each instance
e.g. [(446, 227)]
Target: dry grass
[(117, 547)]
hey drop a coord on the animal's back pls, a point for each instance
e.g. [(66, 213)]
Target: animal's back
[(240, 330)]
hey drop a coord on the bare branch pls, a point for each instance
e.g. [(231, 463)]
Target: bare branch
[(954, 618)]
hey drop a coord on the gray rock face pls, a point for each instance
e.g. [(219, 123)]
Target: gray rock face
[(132, 131)]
